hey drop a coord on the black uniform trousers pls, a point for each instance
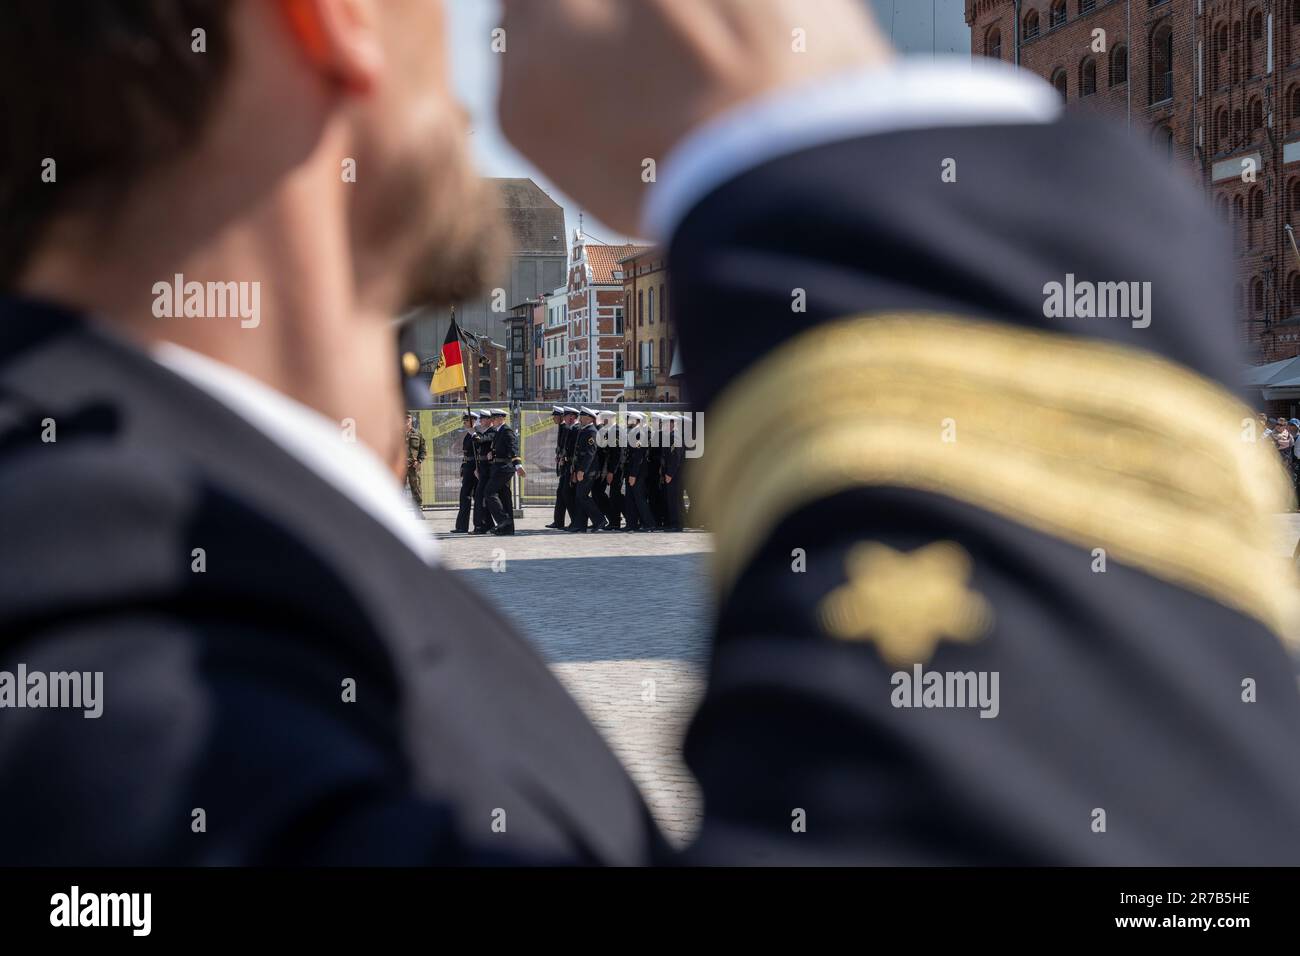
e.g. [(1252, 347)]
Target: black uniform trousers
[(636, 504), (497, 495), (576, 516), (468, 484), (482, 516), (614, 499), (654, 490), (600, 491), (587, 509), (561, 490)]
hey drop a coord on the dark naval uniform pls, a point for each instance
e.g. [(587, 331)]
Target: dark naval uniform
[(653, 478), (557, 519), (584, 463), (671, 459), (468, 483), (501, 470), (612, 478), (482, 457), (568, 482), (416, 452), (991, 500), (600, 465), (636, 504)]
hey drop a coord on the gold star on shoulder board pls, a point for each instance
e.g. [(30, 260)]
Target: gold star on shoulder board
[(906, 602)]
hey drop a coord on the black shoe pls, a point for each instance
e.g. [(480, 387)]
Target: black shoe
[(576, 530), (555, 527), (481, 531), (504, 530), (459, 531)]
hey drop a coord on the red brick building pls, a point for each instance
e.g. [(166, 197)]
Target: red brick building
[(650, 338), (1216, 83), (595, 317)]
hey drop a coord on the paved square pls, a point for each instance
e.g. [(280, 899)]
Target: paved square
[(622, 619)]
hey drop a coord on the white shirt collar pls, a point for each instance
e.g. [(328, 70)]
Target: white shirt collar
[(313, 439), (904, 94)]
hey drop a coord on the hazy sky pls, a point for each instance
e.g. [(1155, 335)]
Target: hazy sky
[(918, 27)]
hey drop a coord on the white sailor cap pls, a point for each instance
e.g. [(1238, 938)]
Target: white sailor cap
[(636, 416), (658, 416), (570, 410), (587, 411), (483, 413), (474, 415), (557, 409), (608, 415), (500, 413)]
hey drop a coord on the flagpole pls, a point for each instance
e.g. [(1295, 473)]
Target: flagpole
[(460, 338)]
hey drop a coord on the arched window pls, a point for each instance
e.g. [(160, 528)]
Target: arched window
[(1236, 127), (1221, 206), (663, 355), (652, 306), (1162, 63), (1031, 25), (1257, 295), (1060, 82), (1164, 136), (1295, 11), (1088, 77), (1255, 114), (1119, 65), (993, 44), (1087, 6), (1294, 296), (1057, 16), (1221, 125), (1219, 55), (1294, 189), (640, 308), (1256, 26), (1294, 99)]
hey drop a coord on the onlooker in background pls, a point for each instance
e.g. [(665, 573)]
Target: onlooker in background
[(416, 452), (1265, 427)]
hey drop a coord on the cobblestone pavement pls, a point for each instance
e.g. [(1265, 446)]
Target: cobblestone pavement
[(623, 621)]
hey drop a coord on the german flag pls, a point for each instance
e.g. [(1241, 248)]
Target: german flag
[(449, 373)]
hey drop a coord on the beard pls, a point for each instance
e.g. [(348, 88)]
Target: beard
[(438, 222)]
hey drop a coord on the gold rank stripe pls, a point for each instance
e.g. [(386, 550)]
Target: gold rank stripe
[(1098, 444)]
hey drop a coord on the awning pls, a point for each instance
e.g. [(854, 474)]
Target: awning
[(1278, 381), (1257, 376)]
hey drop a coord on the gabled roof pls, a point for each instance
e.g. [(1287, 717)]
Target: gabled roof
[(604, 260)]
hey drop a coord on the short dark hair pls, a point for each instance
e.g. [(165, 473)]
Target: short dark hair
[(108, 89)]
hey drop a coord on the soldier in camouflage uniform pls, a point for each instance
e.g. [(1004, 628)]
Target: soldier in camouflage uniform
[(415, 455)]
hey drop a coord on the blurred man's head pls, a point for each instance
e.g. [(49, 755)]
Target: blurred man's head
[(193, 126)]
